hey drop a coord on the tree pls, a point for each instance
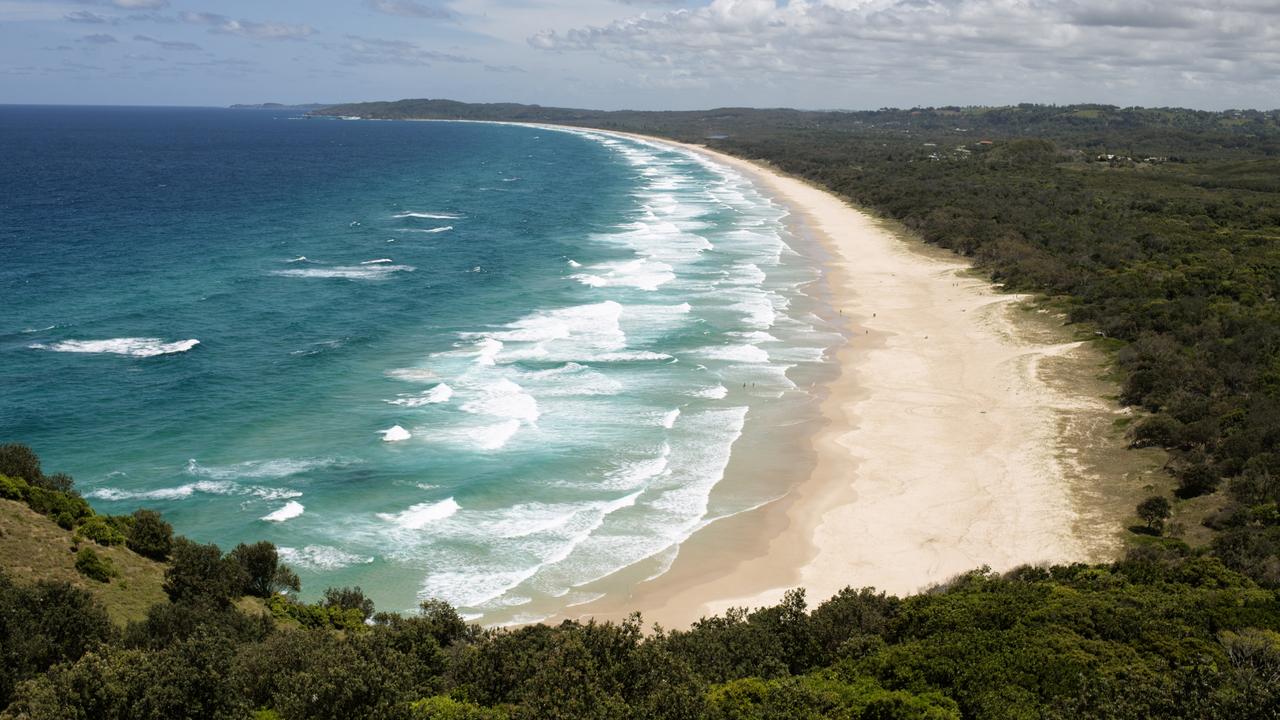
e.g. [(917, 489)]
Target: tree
[(349, 598), (1154, 511), (20, 461), (199, 573), (263, 574), (150, 535)]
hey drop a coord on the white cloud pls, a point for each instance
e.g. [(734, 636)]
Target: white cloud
[(248, 28), (408, 8), (1017, 45), (358, 50)]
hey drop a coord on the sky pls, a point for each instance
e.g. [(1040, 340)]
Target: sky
[(644, 54)]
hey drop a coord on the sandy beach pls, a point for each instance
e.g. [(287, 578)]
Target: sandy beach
[(941, 448)]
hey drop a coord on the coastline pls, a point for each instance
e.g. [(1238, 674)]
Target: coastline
[(943, 445)]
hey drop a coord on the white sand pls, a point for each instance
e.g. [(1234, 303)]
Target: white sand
[(938, 451)]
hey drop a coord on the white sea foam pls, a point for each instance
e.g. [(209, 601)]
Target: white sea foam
[(300, 258), (347, 272), (492, 437), (737, 353), (503, 399), (642, 274), (637, 473), (548, 534), (417, 517), (714, 393), (291, 509), (414, 375), (428, 215), (321, 557), (379, 261), (131, 346), (277, 468), (395, 433), (180, 492), (575, 264), (669, 419), (438, 394), (446, 228), (206, 487)]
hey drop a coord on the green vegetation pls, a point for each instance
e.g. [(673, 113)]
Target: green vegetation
[(94, 566), (1169, 632)]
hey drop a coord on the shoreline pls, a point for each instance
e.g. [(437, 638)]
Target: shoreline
[(942, 446)]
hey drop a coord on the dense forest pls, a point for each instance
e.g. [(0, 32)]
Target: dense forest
[(1158, 227), (1155, 228), (1166, 632)]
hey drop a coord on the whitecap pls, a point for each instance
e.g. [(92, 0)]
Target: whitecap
[(379, 261), (395, 433), (737, 353), (493, 437), (321, 557), (278, 468), (300, 258), (438, 394), (428, 215), (131, 346), (419, 516), (210, 487), (347, 272), (669, 419), (504, 399), (713, 393), (291, 509), (413, 375), (446, 228)]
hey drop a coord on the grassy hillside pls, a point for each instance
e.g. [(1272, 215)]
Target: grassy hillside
[(33, 547)]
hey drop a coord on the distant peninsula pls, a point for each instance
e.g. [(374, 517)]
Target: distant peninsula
[(279, 106)]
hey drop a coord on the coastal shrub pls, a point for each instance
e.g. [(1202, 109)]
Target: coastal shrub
[(149, 535), (101, 531), (1197, 479), (824, 696), (316, 615), (66, 509), (12, 488), (441, 707), (349, 598), (94, 566), (169, 623), (200, 574), (43, 624), (20, 461), (261, 572), (1154, 511)]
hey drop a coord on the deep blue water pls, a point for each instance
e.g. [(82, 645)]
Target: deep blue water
[(571, 329)]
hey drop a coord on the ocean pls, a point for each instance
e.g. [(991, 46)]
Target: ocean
[(490, 364)]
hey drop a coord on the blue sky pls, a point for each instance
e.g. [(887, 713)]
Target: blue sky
[(651, 54)]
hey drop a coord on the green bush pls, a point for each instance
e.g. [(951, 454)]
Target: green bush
[(149, 535), (317, 616), (13, 488), (441, 707), (66, 509), (94, 566), (19, 461), (100, 530)]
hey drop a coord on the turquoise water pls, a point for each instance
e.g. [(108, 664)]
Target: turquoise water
[(490, 364)]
